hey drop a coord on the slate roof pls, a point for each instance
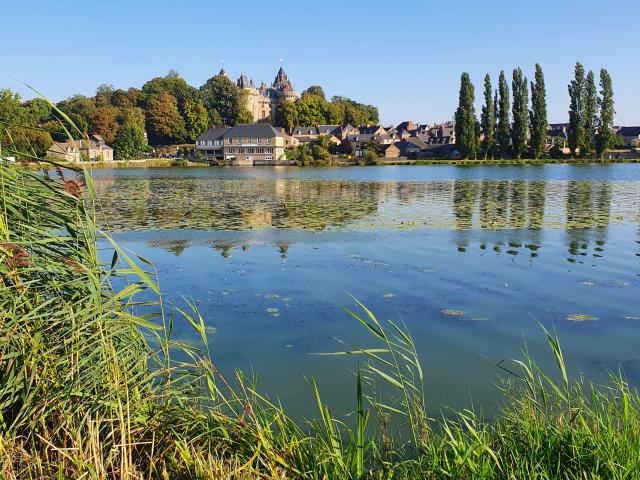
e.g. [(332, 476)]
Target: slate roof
[(371, 130), (215, 133), (252, 130), (305, 131), (629, 131), (329, 129), (368, 137)]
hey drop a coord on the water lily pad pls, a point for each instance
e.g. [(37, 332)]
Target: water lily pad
[(450, 312), (581, 317)]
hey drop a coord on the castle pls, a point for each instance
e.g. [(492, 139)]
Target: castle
[(263, 102)]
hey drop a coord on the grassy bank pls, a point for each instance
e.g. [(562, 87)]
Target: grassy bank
[(142, 163), (166, 163), (93, 386), (512, 161)]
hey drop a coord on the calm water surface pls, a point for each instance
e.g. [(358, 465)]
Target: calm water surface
[(270, 255)]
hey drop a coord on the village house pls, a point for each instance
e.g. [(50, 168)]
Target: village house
[(390, 150), (372, 130), (90, 150), (411, 146), (357, 144), (247, 144), (631, 136)]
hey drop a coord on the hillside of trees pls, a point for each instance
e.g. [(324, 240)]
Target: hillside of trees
[(167, 109)]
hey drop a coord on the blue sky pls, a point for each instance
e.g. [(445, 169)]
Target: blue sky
[(405, 57)]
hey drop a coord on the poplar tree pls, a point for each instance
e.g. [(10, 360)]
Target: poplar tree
[(520, 127), (538, 114), (590, 114), (504, 121), (495, 124), (576, 110), (605, 122), (488, 119), (466, 122)]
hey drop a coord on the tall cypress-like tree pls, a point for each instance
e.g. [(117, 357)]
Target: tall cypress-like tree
[(495, 124), (520, 127), (576, 110), (590, 114), (604, 136), (466, 121), (488, 119), (538, 114), (503, 135)]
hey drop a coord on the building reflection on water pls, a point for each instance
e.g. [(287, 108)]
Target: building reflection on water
[(522, 209)]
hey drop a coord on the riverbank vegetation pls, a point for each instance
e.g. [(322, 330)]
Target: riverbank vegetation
[(93, 383)]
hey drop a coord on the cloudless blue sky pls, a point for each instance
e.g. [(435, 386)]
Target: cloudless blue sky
[(405, 57)]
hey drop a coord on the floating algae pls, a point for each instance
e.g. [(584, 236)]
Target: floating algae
[(455, 313), (388, 295), (581, 317), (210, 329)]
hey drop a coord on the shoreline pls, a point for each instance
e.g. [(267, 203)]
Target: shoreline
[(173, 163)]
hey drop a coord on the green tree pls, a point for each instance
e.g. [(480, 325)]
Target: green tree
[(311, 111), (520, 108), (163, 121), (465, 117), (133, 115), (215, 120), (590, 114), (39, 110), (79, 110), (196, 119), (538, 114), (604, 137), (357, 114), (488, 119), (371, 157), (503, 135), (576, 110), (315, 90), (223, 95), (130, 142), (103, 96), (287, 116)]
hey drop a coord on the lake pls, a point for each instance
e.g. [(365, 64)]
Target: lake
[(471, 259)]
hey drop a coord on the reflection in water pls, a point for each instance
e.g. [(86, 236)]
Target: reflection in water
[(244, 204), (495, 249), (583, 208)]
